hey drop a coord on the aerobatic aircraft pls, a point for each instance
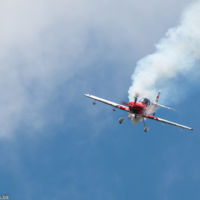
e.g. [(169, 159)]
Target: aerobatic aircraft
[(139, 110)]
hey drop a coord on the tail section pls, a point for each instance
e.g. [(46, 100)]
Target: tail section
[(155, 105), (162, 106), (157, 98)]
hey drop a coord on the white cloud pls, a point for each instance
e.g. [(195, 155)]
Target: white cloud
[(44, 42)]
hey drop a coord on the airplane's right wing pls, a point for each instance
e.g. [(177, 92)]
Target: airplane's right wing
[(167, 122), (108, 102)]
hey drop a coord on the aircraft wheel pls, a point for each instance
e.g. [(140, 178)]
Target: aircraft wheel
[(146, 129), (121, 120)]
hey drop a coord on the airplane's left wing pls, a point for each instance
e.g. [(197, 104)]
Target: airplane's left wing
[(167, 122), (108, 102)]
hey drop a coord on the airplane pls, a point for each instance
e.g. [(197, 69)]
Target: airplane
[(139, 110)]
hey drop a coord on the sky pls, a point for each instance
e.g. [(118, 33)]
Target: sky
[(54, 144)]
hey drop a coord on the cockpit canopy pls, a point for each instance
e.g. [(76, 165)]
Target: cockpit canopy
[(146, 101)]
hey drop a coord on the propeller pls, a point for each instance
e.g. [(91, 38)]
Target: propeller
[(127, 103), (124, 103), (136, 97)]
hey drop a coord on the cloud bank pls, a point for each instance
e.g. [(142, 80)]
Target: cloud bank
[(44, 43)]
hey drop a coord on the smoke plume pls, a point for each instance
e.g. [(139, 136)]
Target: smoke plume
[(46, 46), (176, 56)]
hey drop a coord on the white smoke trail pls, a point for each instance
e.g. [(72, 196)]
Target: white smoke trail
[(175, 55)]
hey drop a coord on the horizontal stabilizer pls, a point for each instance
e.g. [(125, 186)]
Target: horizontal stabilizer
[(162, 106)]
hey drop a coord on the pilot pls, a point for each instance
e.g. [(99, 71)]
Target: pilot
[(146, 101)]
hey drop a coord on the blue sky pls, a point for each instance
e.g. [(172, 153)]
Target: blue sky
[(53, 143)]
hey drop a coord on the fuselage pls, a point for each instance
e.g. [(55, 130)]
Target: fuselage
[(137, 110)]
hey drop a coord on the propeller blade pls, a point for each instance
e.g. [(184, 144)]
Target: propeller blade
[(124, 103), (136, 97), (135, 100)]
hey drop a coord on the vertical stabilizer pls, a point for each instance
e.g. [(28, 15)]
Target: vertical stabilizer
[(157, 98)]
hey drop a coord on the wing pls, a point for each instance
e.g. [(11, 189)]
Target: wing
[(167, 122), (108, 102)]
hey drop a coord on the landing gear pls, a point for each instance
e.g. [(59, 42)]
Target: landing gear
[(146, 128), (121, 120), (94, 103)]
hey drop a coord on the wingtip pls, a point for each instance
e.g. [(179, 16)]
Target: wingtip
[(87, 95)]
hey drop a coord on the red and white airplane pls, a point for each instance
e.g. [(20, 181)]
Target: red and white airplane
[(139, 110)]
